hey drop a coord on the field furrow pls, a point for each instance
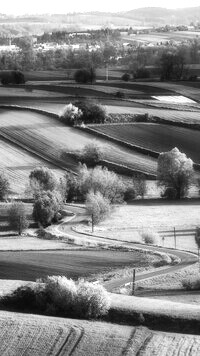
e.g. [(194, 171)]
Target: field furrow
[(50, 138), (155, 137)]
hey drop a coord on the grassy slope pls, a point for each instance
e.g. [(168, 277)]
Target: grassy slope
[(36, 335), (156, 137), (161, 217)]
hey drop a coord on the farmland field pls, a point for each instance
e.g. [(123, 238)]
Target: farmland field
[(17, 164), (41, 335), (29, 265), (50, 138), (155, 137)]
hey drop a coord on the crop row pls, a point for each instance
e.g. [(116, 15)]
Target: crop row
[(155, 137)]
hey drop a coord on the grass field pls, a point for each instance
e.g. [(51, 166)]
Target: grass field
[(156, 137), (29, 265), (126, 223)]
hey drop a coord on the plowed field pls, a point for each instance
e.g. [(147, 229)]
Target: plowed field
[(156, 137), (49, 138), (37, 335)]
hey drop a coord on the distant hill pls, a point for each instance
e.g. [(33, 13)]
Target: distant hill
[(148, 16)]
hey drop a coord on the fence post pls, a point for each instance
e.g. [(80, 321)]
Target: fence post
[(133, 288), (175, 237)]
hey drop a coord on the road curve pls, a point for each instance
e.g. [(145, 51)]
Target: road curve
[(186, 258)]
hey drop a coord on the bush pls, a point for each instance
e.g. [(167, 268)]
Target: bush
[(46, 208), (91, 154), (84, 76), (129, 194), (92, 112), (42, 178), (120, 94), (59, 296), (125, 77), (142, 73), (150, 237), (97, 206), (191, 283), (169, 193), (17, 217), (71, 115)]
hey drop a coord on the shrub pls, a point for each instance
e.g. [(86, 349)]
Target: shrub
[(129, 194), (91, 154), (57, 295), (150, 237), (120, 94), (46, 208), (125, 77), (91, 112), (42, 178), (97, 206), (169, 193), (4, 186), (191, 283), (142, 73), (85, 76), (17, 217), (71, 115)]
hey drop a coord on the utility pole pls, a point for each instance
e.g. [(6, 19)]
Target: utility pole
[(133, 287), (175, 237)]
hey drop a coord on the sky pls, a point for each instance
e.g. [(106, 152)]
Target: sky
[(18, 7)]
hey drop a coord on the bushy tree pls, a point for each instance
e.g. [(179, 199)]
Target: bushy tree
[(42, 178), (71, 115), (91, 154), (175, 171), (99, 179), (97, 206), (4, 186), (84, 76), (46, 208), (92, 112), (72, 187), (125, 77), (17, 217), (139, 184)]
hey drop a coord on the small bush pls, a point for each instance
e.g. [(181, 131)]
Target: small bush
[(120, 94), (129, 194), (142, 73), (91, 154), (125, 77), (84, 76), (57, 295), (169, 193), (150, 237), (191, 283)]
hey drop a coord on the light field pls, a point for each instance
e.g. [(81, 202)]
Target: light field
[(156, 137), (40, 335)]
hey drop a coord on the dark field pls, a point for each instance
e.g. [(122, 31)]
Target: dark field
[(156, 137), (73, 264)]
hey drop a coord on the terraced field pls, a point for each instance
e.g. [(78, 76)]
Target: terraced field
[(35, 335), (155, 137), (49, 138)]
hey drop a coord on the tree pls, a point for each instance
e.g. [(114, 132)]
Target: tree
[(92, 112), (139, 184), (99, 179), (42, 178), (17, 217), (46, 208), (71, 115), (85, 75), (175, 171), (97, 206), (91, 154), (72, 187), (4, 186), (172, 65)]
